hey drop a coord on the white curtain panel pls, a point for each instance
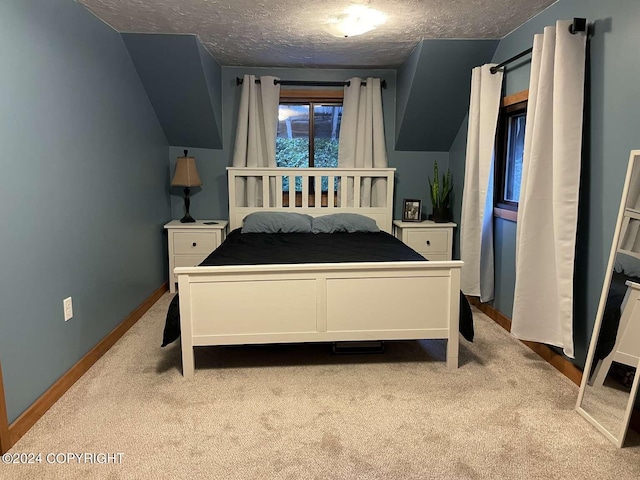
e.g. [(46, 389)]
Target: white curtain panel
[(476, 226), (548, 206), (362, 142), (256, 136)]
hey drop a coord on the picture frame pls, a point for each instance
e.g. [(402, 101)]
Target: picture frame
[(412, 210)]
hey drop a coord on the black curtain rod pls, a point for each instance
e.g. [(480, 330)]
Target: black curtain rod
[(578, 25), (512, 59), (311, 83)]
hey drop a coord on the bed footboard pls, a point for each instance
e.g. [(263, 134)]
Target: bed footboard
[(254, 304)]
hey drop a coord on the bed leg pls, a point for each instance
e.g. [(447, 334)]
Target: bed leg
[(188, 361), (452, 353), (452, 362)]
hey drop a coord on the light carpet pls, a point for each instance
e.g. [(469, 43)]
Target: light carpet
[(301, 412)]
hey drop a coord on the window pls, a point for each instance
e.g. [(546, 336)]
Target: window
[(308, 131), (509, 151)]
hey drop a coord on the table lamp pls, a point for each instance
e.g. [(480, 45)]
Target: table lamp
[(186, 176)]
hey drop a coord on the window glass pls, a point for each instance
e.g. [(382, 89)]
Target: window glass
[(515, 150), (509, 152), (326, 134), (307, 140), (292, 139)]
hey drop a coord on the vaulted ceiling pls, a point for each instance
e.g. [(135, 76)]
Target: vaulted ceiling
[(180, 46), (289, 33)]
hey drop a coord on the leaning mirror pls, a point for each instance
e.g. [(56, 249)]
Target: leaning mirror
[(609, 383)]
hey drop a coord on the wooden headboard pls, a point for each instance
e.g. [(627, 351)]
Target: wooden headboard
[(314, 203)]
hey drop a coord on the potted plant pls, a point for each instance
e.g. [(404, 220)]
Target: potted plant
[(440, 192)]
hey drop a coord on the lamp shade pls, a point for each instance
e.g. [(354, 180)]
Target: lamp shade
[(186, 173)]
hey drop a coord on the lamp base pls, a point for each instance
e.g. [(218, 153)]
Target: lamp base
[(187, 218)]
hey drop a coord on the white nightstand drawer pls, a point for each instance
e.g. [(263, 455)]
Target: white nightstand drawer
[(434, 241), (428, 240), (188, 260), (191, 243)]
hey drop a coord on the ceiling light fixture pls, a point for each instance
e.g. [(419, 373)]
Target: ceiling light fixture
[(355, 20)]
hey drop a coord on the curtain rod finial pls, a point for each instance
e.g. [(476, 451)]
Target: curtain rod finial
[(578, 25)]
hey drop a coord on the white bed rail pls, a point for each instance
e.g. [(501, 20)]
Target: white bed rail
[(335, 199)]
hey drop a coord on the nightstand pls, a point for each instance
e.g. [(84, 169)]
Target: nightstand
[(434, 241), (190, 243)]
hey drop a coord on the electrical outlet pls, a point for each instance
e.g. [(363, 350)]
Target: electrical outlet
[(68, 309)]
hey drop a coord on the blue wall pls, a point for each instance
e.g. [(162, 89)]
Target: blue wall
[(612, 127), (210, 201), (84, 192)]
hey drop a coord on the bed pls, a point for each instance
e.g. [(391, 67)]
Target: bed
[(317, 301)]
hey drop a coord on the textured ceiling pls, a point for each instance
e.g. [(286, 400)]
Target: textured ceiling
[(288, 33)]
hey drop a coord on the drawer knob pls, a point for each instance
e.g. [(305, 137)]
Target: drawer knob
[(428, 242), (194, 244)]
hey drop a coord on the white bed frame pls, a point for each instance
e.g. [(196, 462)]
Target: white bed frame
[(327, 302)]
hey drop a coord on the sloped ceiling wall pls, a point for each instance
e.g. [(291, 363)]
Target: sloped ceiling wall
[(432, 98), (182, 82)]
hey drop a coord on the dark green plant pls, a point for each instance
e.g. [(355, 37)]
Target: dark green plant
[(440, 192)]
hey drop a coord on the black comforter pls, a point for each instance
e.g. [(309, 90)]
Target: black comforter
[(288, 248)]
